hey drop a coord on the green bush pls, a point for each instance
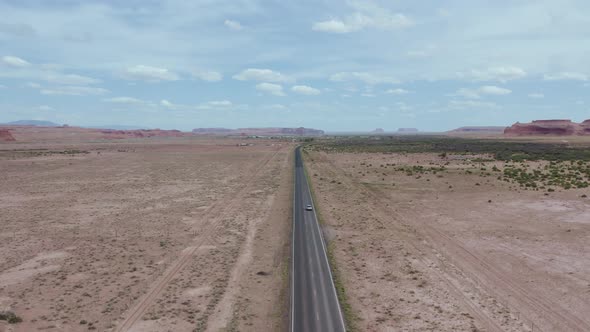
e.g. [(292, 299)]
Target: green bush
[(10, 317)]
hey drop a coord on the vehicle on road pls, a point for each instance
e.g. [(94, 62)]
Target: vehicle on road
[(308, 207)]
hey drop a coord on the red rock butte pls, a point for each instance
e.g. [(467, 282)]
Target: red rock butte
[(558, 127)]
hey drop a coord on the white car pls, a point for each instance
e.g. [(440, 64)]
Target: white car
[(308, 207)]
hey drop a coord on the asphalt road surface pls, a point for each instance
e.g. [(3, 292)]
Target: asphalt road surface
[(314, 303)]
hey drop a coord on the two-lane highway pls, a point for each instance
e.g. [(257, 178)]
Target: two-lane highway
[(314, 302)]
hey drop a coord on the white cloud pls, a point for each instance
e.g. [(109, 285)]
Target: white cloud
[(484, 90), (274, 89), (266, 75), (150, 74), (74, 91), (368, 95), (275, 107), (14, 61), (209, 76), (215, 104), (333, 25), (501, 74), (467, 93), (70, 79), (366, 16), (33, 85), (566, 76), (234, 25), (210, 105), (536, 95), (493, 90), (124, 100), (168, 104), (363, 77), (219, 103), (305, 90), (397, 91), (45, 108)]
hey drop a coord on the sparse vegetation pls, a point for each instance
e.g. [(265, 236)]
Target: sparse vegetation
[(10, 317), (558, 165), (565, 175), (501, 150)]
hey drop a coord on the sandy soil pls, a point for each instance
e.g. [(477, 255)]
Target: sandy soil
[(158, 235), (453, 251)]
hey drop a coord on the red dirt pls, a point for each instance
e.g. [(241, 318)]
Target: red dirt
[(143, 235), (6, 136)]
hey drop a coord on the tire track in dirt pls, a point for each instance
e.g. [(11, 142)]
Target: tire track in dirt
[(224, 308), (409, 234), (541, 306), (139, 309)]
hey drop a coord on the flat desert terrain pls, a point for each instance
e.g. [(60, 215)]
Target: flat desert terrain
[(180, 234), (430, 242)]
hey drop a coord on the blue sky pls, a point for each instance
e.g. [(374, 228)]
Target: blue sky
[(333, 65)]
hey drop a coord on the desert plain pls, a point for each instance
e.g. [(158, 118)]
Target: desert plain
[(193, 233), (433, 241), (161, 234)]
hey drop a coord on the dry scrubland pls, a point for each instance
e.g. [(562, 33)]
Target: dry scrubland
[(456, 242), (144, 235)]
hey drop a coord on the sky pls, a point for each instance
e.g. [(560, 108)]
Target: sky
[(326, 64)]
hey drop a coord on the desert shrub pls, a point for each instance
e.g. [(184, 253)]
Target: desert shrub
[(10, 317)]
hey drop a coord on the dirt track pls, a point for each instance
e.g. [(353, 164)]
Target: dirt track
[(144, 236), (453, 252)]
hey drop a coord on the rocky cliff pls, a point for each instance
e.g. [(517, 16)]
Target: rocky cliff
[(562, 127)]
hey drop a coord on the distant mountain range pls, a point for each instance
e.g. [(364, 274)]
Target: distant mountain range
[(119, 127), (260, 131), (39, 123)]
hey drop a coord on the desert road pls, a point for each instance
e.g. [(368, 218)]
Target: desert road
[(314, 303)]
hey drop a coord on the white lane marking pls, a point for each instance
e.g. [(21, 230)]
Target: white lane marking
[(293, 246), (325, 254), (316, 251)]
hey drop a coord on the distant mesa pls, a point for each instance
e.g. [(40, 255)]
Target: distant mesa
[(480, 129), (37, 123), (301, 131), (407, 130), (6, 136), (212, 131), (560, 127), (378, 131), (122, 134)]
